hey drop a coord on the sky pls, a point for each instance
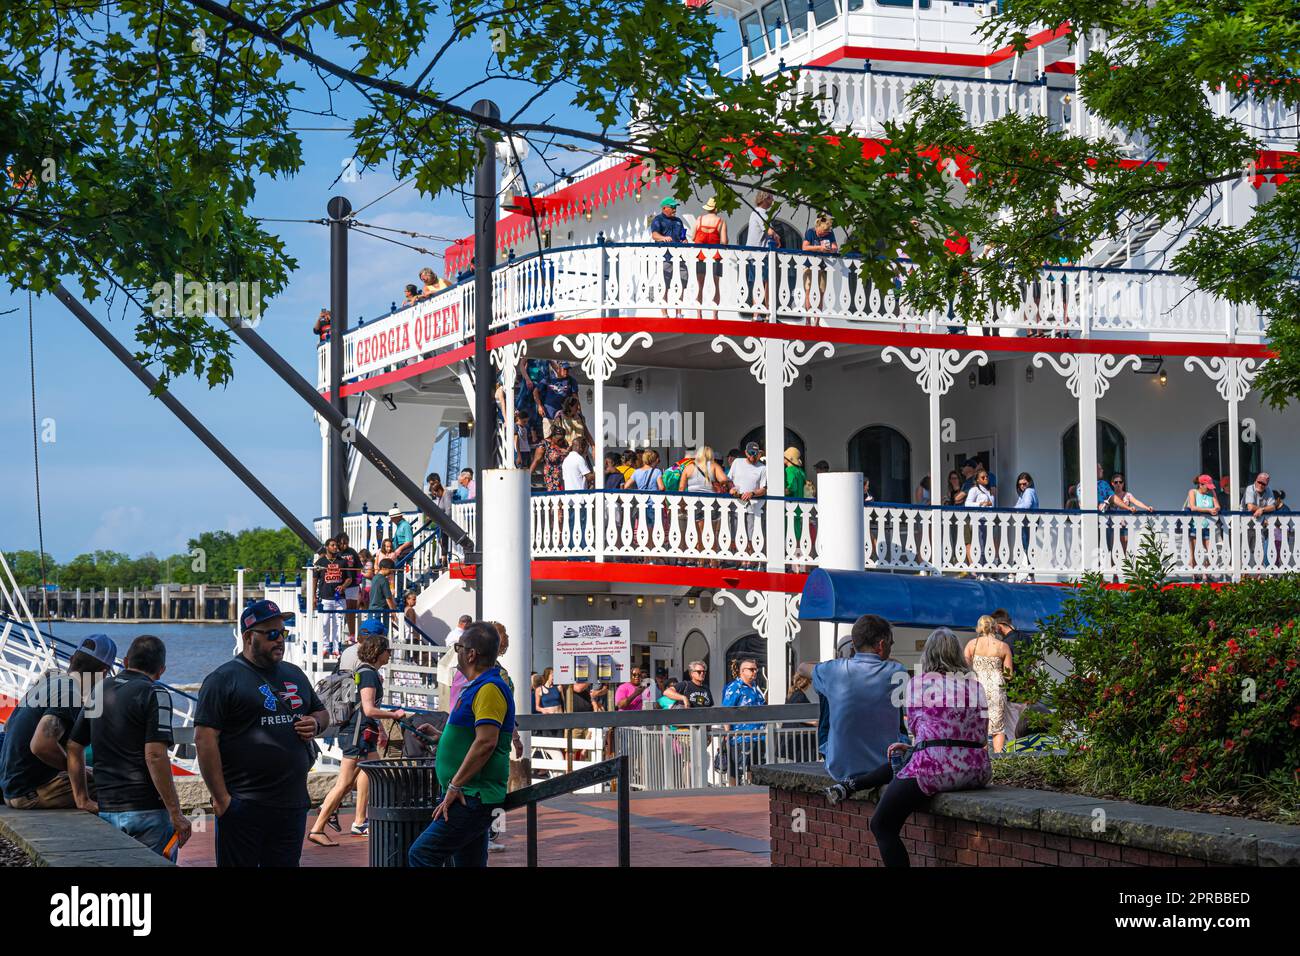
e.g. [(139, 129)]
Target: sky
[(117, 470)]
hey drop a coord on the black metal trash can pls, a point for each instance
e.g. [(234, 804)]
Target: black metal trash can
[(403, 795)]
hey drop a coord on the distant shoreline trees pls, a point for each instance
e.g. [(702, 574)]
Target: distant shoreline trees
[(211, 559)]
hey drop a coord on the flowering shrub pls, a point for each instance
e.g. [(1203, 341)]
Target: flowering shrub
[(1172, 691)]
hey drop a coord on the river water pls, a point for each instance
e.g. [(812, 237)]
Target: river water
[(193, 650)]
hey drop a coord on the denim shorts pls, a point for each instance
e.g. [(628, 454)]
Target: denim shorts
[(153, 828)]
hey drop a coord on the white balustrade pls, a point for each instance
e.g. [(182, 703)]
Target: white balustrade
[(673, 526), (864, 101), (1269, 544), (1015, 544), (801, 532), (564, 525), (1274, 123), (710, 282)]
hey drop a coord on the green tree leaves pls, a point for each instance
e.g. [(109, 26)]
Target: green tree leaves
[(211, 559)]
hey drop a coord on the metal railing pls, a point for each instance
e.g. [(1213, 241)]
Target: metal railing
[(615, 770), (728, 282), (1059, 544), (695, 748), (863, 100)]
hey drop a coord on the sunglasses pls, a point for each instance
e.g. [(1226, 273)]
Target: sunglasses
[(277, 634)]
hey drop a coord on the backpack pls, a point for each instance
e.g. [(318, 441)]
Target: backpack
[(338, 692), (673, 476)]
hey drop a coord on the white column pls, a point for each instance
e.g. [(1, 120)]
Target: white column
[(324, 466), (774, 363), (599, 354), (841, 535), (774, 512), (598, 448), (506, 583), (935, 370), (1234, 481), (938, 485), (1088, 378), (1087, 398), (774, 425), (1233, 379)]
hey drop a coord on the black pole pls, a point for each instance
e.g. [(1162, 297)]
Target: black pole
[(187, 419), (485, 255), (624, 814), (364, 446), (531, 855), (339, 209)]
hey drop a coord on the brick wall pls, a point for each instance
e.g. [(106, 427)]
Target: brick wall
[(840, 836)]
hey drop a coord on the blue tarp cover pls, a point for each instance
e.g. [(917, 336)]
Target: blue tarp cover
[(916, 601)]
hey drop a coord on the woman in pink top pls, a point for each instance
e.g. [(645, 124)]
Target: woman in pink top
[(628, 696), (947, 715)]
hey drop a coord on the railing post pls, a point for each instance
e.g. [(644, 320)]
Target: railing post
[(699, 763), (531, 828), (624, 814), (772, 284)]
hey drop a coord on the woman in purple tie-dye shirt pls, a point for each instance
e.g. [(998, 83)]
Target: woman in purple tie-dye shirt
[(947, 715)]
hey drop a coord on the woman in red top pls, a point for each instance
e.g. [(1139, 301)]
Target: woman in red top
[(710, 230)]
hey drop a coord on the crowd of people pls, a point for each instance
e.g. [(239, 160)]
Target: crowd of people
[(258, 720), (257, 724)]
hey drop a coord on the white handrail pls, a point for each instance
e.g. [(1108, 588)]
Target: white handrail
[(730, 282)]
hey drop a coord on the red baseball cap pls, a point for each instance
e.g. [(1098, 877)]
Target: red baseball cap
[(1205, 480)]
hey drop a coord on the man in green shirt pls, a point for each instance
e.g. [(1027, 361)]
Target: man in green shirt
[(473, 763), (381, 592)]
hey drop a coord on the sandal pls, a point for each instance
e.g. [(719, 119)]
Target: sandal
[(319, 838)]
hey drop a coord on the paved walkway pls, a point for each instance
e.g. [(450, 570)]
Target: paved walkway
[(687, 829)]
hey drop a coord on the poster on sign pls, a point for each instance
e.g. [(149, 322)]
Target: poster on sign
[(599, 651)]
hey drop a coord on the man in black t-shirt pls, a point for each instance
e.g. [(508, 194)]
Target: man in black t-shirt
[(254, 729), (694, 691), (351, 561), (582, 698), (33, 763), (331, 584), (130, 727)]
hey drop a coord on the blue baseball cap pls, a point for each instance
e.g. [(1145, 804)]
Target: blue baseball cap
[(101, 648), (260, 611), (373, 627)]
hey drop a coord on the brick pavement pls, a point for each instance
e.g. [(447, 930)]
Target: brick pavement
[(693, 829)]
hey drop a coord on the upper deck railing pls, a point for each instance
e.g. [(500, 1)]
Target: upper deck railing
[(734, 282), (862, 100)]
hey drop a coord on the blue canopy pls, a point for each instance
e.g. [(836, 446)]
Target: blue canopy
[(908, 600)]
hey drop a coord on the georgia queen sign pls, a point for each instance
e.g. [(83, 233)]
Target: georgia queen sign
[(418, 330)]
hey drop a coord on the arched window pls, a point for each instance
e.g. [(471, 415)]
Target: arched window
[(751, 645), (1112, 452), (759, 434), (791, 238), (884, 456), (1214, 455), (695, 648)]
